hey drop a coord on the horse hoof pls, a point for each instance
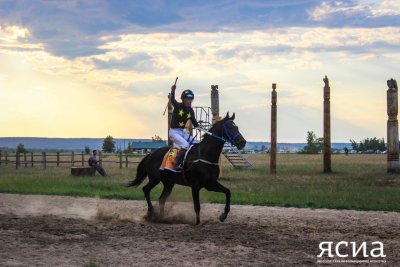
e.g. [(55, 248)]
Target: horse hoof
[(223, 216), (150, 216)]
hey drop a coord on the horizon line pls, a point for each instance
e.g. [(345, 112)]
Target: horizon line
[(119, 138)]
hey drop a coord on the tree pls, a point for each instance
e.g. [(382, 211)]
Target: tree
[(129, 149), (314, 144), (108, 144), (87, 150), (157, 138), (369, 144), (263, 148), (21, 149)]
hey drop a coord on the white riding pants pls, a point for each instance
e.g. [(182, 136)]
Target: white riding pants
[(180, 138)]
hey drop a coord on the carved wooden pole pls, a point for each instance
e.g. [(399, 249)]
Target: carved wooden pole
[(392, 128), (272, 152), (215, 114), (170, 110), (327, 126), (215, 103)]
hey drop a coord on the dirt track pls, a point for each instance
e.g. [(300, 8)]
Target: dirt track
[(65, 231)]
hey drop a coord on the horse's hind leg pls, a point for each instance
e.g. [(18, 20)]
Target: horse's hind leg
[(217, 187), (164, 195), (146, 189)]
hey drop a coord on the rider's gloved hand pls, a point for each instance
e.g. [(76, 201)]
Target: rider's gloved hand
[(173, 87)]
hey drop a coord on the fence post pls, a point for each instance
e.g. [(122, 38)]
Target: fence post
[(17, 160), (44, 160), (83, 158), (100, 160), (25, 160), (72, 158), (120, 160), (0, 157), (58, 159), (31, 159), (6, 158), (126, 160)]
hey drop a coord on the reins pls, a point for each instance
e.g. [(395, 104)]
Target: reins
[(231, 139)]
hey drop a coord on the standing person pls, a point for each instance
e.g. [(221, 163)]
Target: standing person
[(183, 112), (93, 162)]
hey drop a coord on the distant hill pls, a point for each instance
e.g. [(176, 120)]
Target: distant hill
[(38, 143), (61, 143)]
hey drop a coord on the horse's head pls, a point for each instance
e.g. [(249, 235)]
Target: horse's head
[(230, 131)]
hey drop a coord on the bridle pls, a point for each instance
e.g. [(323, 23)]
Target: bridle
[(229, 134), (230, 138), (226, 132)]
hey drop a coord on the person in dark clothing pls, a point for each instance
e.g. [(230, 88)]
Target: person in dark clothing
[(94, 163), (183, 112)]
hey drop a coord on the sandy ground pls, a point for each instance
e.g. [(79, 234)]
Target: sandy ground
[(67, 231)]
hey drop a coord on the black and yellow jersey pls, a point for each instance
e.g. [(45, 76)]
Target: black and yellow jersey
[(181, 114)]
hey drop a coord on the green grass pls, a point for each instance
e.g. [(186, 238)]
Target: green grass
[(358, 182)]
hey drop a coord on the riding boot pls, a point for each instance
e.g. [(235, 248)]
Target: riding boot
[(179, 159)]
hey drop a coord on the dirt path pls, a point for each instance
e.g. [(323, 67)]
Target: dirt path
[(66, 231)]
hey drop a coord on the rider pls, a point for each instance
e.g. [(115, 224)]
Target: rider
[(183, 112)]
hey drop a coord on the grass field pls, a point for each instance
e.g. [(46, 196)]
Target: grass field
[(358, 182)]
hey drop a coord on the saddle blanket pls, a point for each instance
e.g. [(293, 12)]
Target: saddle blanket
[(168, 162)]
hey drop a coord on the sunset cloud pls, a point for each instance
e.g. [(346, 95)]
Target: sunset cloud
[(117, 60)]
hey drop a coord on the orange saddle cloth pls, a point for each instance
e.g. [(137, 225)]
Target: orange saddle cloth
[(169, 159)]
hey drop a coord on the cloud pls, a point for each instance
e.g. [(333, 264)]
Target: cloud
[(357, 13), (137, 62), (74, 29)]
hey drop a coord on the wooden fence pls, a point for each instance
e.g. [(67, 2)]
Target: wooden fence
[(44, 159)]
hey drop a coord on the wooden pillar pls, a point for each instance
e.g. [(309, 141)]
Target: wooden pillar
[(73, 158), (272, 154), (170, 111), (6, 158), (215, 104), (32, 159), (0, 158), (120, 160), (126, 160), (83, 158), (392, 128), (327, 126), (44, 160), (58, 159), (17, 160), (215, 115), (25, 160)]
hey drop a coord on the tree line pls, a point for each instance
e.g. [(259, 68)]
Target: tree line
[(315, 144)]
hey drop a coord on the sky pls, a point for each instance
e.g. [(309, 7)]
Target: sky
[(96, 68)]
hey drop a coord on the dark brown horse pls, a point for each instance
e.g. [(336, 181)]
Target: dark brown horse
[(201, 167)]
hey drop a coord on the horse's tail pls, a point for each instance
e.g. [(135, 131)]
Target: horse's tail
[(141, 173)]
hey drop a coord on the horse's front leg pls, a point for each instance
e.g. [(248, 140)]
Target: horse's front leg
[(196, 202), (217, 187)]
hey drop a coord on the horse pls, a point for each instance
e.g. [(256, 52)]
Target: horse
[(200, 168)]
